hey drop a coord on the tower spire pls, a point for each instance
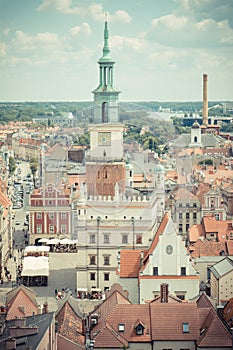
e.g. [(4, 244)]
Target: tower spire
[(106, 95), (106, 50)]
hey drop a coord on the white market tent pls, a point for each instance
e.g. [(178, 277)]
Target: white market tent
[(43, 240), (35, 266), (34, 248), (66, 241), (53, 241)]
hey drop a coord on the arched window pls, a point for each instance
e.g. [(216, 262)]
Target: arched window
[(195, 138), (104, 112)]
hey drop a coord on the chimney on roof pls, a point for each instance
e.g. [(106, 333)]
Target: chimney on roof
[(10, 344), (164, 293), (205, 101), (45, 308), (141, 257)]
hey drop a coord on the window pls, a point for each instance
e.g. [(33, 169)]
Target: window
[(92, 238), (121, 327), (50, 202), (180, 216), (208, 273), (139, 239), (180, 228), (106, 276), (180, 205), (187, 216), (194, 216), (38, 229), (51, 229), (185, 327), (180, 295), (92, 276), (51, 215), (217, 217), (63, 229), (106, 238), (155, 271), (92, 260), (194, 205), (124, 239), (39, 215), (107, 260), (63, 216), (183, 271), (139, 329)]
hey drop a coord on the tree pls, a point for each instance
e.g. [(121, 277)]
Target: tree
[(12, 165), (34, 168)]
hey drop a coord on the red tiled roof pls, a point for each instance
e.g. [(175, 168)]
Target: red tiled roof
[(168, 318), (130, 263), (204, 302), (213, 332), (70, 324), (128, 315), (207, 248), (228, 312), (210, 224), (104, 309), (183, 194), (229, 245), (108, 338), (4, 200), (195, 232), (21, 306), (160, 231)]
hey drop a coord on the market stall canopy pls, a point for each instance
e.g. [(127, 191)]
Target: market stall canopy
[(66, 241), (53, 241), (35, 266), (34, 248), (43, 240)]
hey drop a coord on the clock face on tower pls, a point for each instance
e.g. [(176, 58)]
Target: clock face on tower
[(104, 138)]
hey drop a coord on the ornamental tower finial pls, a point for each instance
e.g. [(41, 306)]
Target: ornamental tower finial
[(106, 50)]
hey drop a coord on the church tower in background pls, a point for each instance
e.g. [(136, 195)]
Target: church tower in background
[(105, 166)]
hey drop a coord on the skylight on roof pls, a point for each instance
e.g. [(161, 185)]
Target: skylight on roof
[(185, 327), (121, 327)]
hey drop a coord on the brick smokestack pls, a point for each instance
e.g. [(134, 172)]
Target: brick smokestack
[(164, 293), (205, 101)]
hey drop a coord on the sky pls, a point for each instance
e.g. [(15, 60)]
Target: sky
[(49, 49)]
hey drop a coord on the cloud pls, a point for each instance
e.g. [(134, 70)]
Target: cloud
[(94, 10), (2, 49), (218, 10), (118, 42), (179, 31), (83, 29), (45, 40)]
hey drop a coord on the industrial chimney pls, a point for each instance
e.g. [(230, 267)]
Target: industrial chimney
[(205, 101)]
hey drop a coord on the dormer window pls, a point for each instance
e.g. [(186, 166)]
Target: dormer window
[(121, 327), (139, 329), (185, 327)]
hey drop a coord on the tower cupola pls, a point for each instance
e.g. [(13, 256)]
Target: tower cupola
[(106, 104)]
